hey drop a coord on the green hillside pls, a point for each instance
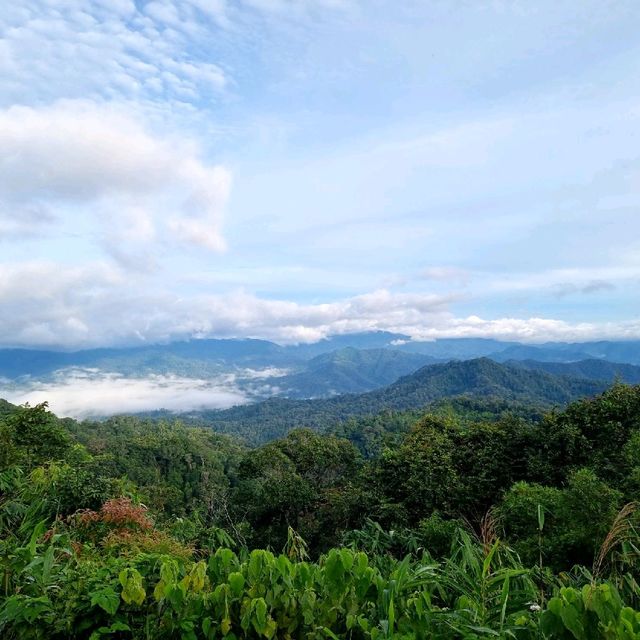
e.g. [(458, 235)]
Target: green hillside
[(350, 370), (589, 369), (481, 378)]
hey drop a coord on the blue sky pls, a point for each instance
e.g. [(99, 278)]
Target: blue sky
[(293, 169)]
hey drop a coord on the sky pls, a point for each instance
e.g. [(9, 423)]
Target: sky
[(293, 169)]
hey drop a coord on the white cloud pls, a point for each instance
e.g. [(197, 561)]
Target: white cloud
[(47, 305), (157, 52), (264, 374), (453, 275), (562, 282), (44, 303), (108, 50), (592, 286), (298, 7), (75, 158), (533, 330), (85, 393)]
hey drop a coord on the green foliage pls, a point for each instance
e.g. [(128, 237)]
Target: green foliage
[(576, 519), (467, 524), (267, 596), (302, 481), (595, 611), (178, 469), (437, 534), (593, 433), (31, 436), (421, 475)]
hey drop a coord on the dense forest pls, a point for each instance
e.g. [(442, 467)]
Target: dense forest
[(480, 378), (254, 370), (474, 518)]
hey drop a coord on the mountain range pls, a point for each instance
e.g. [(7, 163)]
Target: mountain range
[(196, 356), (332, 379), (482, 379)]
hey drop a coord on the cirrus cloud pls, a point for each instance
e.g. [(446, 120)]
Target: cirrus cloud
[(107, 50)]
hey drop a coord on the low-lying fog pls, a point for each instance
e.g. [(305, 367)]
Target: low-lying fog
[(83, 393)]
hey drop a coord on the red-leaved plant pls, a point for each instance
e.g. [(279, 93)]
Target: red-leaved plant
[(120, 524), (117, 514)]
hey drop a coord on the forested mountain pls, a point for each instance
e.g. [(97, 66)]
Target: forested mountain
[(365, 340), (588, 369), (455, 348), (207, 356), (465, 348), (189, 357), (480, 378), (485, 378), (624, 352), (199, 375), (540, 353), (350, 370)]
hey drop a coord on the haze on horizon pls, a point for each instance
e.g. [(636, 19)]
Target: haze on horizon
[(295, 169)]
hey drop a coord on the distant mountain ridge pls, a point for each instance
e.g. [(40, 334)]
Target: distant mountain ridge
[(345, 382), (203, 357), (622, 352), (350, 370), (480, 378), (589, 369), (151, 358)]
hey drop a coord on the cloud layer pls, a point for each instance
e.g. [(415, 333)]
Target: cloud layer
[(107, 50), (74, 161), (99, 304), (83, 394)]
